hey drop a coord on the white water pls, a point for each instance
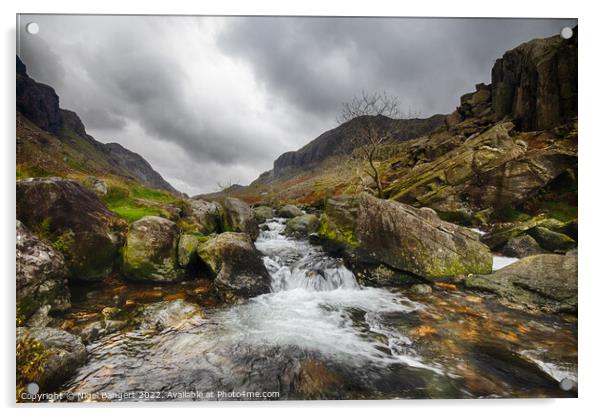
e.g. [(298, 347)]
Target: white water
[(311, 307), (500, 262)]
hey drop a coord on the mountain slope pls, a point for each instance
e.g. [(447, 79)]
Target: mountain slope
[(53, 141)]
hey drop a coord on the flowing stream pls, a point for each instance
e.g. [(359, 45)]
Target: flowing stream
[(319, 334)]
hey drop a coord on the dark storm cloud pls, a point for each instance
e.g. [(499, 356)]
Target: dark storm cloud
[(428, 63), (218, 99)]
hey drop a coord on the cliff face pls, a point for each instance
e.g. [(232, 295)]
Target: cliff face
[(39, 104)]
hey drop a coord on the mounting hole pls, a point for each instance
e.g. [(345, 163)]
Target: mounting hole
[(566, 33), (32, 28), (567, 384), (32, 388)]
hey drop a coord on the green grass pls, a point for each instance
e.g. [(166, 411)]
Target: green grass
[(132, 212), (121, 200)]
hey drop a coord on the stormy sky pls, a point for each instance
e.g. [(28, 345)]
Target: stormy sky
[(217, 99)]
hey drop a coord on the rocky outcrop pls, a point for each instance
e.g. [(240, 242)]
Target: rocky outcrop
[(535, 84), (402, 237), (63, 353), (150, 252), (239, 217), (289, 211), (75, 221), (41, 278), (545, 281), (207, 216), (490, 169), (239, 269), (302, 226)]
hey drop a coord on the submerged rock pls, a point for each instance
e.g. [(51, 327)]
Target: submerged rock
[(263, 213), (96, 330), (302, 226), (402, 237), (237, 264), (150, 252), (167, 314), (40, 278), (75, 220), (63, 354), (289, 211), (522, 246), (421, 289), (545, 281), (239, 217)]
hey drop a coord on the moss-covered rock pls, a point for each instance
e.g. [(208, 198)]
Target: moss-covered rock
[(239, 217), (302, 225), (150, 252), (40, 278), (187, 249), (239, 269), (263, 213), (289, 211), (551, 240), (545, 281), (75, 221), (207, 217), (404, 238), (522, 246)]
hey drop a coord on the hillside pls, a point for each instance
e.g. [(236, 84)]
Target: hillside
[(52, 141)]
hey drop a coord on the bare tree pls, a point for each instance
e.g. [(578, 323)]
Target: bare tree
[(373, 133)]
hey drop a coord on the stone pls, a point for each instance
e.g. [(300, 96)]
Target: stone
[(150, 252), (40, 278), (302, 226), (237, 264), (263, 213), (421, 289), (402, 237), (167, 314), (75, 221), (187, 247), (545, 281), (239, 217), (289, 211), (522, 246), (99, 329), (64, 353), (552, 241), (207, 216)]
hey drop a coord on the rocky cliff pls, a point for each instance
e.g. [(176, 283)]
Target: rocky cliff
[(43, 127)]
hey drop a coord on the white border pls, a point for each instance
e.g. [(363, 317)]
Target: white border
[(590, 203)]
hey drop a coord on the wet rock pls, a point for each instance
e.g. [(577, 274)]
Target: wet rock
[(110, 312), (75, 221), (239, 217), (187, 246), (64, 353), (302, 226), (167, 314), (522, 246), (545, 281), (421, 289), (237, 264), (263, 213), (289, 211), (403, 237), (207, 216), (552, 241), (40, 279), (99, 329), (150, 252)]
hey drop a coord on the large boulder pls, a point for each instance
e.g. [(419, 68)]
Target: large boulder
[(402, 237), (551, 240), (237, 264), (207, 216), (62, 353), (239, 217), (75, 221), (150, 252), (545, 281), (263, 213), (187, 247), (302, 225), (289, 211), (41, 278)]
